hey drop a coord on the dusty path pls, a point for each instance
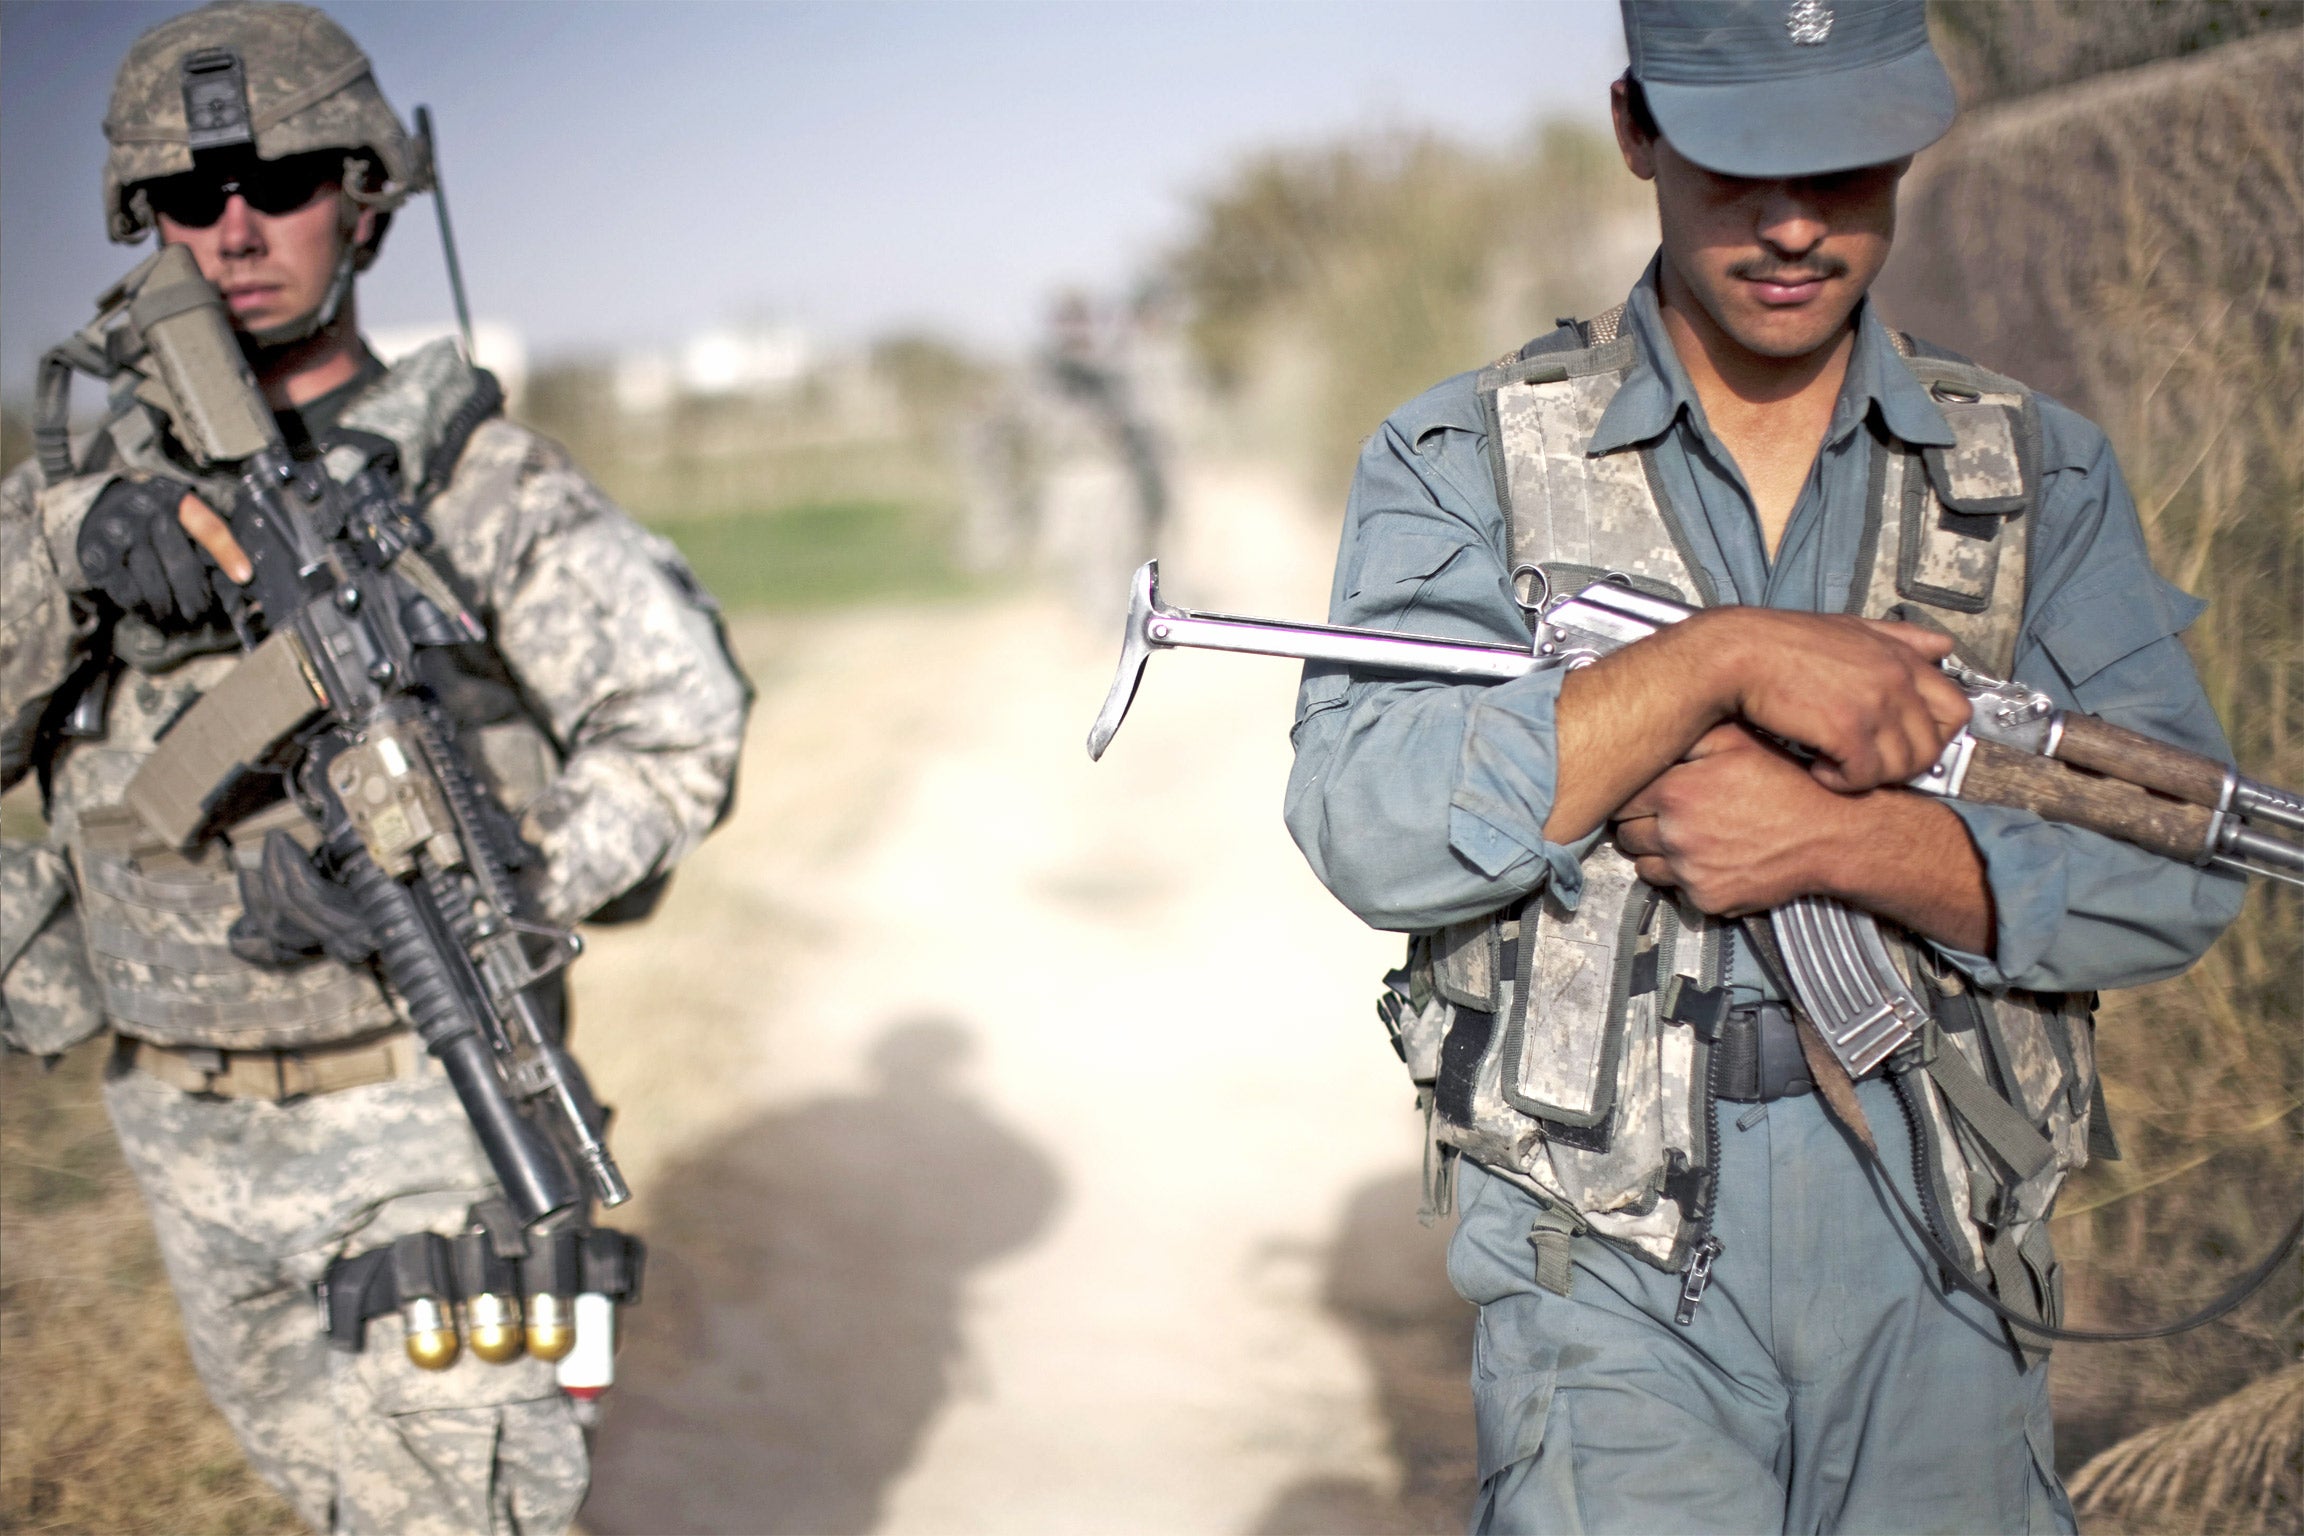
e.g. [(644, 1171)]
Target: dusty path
[(998, 1116)]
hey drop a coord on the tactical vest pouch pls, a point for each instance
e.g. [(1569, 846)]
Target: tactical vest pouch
[(157, 923), (1961, 510), (2004, 1097), (48, 999), (2035, 1055), (1565, 1036), (1468, 965)]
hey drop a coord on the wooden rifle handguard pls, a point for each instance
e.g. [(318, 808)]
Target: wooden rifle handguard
[(2060, 790)]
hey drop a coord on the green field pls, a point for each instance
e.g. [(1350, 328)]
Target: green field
[(820, 555)]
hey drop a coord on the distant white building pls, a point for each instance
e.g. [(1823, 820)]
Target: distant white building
[(759, 359), (645, 382), (756, 360), (499, 346)]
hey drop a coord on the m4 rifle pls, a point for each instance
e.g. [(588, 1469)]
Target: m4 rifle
[(330, 699)]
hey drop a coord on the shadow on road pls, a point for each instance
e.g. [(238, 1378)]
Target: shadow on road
[(802, 1321), (1388, 1283)]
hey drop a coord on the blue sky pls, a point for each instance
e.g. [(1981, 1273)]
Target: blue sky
[(625, 172)]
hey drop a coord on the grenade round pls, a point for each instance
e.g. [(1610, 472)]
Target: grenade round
[(432, 1343), (421, 1276), (490, 1285), (492, 1322), (551, 1275)]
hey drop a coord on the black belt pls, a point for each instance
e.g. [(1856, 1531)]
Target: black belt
[(1757, 1057)]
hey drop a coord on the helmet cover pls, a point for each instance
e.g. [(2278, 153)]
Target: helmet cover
[(301, 84)]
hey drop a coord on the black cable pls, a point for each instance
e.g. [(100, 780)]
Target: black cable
[(1957, 1273)]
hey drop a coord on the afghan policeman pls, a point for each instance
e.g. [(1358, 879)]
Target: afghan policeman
[(1698, 1309), (270, 1098)]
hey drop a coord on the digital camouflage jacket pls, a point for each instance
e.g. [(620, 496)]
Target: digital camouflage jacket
[(604, 710)]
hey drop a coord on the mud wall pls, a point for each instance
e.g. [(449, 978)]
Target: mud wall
[(2131, 239), (2069, 235)]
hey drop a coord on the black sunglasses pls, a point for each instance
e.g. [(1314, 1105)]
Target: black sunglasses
[(196, 198)]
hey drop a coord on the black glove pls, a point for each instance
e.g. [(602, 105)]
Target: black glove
[(292, 912), (133, 549)]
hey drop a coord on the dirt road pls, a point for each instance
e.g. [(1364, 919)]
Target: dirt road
[(1018, 1145)]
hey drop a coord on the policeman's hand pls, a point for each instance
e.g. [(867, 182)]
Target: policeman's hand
[(292, 912), (1738, 826), (155, 549), (1865, 696)]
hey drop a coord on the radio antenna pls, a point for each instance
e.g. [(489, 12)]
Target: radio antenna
[(447, 233)]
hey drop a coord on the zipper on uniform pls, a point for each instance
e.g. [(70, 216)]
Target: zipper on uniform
[(1696, 1275), (1695, 1279)]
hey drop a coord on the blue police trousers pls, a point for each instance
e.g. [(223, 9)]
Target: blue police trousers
[(1826, 1383)]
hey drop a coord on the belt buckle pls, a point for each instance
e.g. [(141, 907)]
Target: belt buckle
[(1783, 1065)]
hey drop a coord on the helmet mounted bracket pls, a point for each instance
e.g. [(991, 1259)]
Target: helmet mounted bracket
[(216, 101)]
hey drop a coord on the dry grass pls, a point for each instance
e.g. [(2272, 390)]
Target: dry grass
[(2001, 49), (2237, 1465), (1327, 286), (2135, 244), (103, 1427)]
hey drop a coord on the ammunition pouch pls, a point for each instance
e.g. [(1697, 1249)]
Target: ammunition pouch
[(451, 1271), (158, 929), (48, 998)]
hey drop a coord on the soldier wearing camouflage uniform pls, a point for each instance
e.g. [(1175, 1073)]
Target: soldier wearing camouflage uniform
[(274, 1106), (1698, 1310)]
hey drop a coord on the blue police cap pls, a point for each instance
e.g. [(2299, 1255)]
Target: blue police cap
[(1789, 87)]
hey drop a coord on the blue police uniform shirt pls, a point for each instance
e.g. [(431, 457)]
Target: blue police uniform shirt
[(1422, 803)]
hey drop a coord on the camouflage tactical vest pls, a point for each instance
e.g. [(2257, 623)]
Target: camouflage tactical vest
[(1546, 1036), (155, 919)]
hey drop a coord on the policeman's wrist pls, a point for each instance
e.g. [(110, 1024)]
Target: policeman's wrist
[(1844, 841), (1877, 846), (1718, 649)]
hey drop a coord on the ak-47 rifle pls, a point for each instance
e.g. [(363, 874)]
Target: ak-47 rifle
[(2018, 749)]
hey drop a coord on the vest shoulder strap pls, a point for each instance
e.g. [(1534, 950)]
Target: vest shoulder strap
[(1562, 507), (1992, 467), (427, 406), (1949, 530), (1570, 334)]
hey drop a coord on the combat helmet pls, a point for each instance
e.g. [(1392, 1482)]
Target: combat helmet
[(280, 79)]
